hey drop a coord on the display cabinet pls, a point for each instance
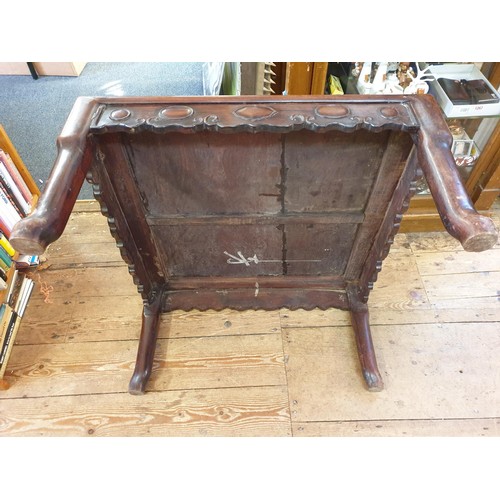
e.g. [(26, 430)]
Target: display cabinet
[(481, 176)]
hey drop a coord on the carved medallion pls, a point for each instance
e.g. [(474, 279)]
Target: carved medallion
[(332, 111), (389, 112), (176, 112), (120, 114), (255, 113)]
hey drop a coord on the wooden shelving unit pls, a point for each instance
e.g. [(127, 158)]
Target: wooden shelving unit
[(8, 147)]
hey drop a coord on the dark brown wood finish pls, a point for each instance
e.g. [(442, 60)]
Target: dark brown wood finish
[(254, 202)]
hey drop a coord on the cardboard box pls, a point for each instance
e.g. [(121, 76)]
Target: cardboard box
[(43, 68), (461, 72)]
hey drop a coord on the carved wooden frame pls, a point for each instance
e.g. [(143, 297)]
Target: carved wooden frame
[(94, 119)]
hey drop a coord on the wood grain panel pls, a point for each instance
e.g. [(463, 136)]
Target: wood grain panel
[(86, 281), (390, 291), (197, 174), (222, 250), (477, 427), (453, 286), (437, 242), (183, 363), (82, 319), (453, 311), (245, 411), (89, 320), (457, 261), (430, 372), (314, 163), (318, 249)]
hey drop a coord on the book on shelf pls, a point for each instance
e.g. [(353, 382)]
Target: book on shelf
[(11, 187), (12, 289), (4, 227), (5, 244), (9, 213), (13, 311), (26, 261), (16, 202), (4, 266), (5, 311), (16, 176), (5, 258), (9, 196)]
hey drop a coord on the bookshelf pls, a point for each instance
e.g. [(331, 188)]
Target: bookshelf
[(16, 286)]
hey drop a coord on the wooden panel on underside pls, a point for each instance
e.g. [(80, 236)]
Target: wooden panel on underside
[(331, 171), (223, 250), (263, 173), (312, 249), (255, 250), (206, 173)]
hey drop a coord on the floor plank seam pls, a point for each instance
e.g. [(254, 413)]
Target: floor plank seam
[(364, 421), (434, 302), (135, 339), (285, 361), (482, 273), (151, 390), (373, 323), (215, 388), (87, 265)]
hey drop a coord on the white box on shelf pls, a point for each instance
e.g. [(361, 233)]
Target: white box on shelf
[(461, 72)]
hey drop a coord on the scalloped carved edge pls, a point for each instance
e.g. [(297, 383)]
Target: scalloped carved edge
[(258, 118), (398, 217), (189, 300), (251, 308), (93, 179), (255, 112)]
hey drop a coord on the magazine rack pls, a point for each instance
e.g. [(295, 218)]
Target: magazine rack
[(254, 203)]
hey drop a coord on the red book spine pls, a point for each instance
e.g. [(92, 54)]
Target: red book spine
[(8, 194), (16, 176), (4, 226)]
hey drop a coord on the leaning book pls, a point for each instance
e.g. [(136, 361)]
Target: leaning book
[(13, 190), (11, 320)]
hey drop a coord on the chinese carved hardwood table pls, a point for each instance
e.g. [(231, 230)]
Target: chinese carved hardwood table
[(253, 202)]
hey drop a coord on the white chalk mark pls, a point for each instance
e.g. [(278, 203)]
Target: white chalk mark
[(239, 258)]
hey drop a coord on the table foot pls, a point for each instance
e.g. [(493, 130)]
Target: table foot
[(147, 345)]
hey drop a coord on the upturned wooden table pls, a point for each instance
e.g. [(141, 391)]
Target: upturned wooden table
[(254, 202)]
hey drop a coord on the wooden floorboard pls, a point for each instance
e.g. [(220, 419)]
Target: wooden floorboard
[(435, 316)]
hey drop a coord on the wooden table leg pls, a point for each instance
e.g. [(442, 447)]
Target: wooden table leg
[(364, 343), (147, 345)]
